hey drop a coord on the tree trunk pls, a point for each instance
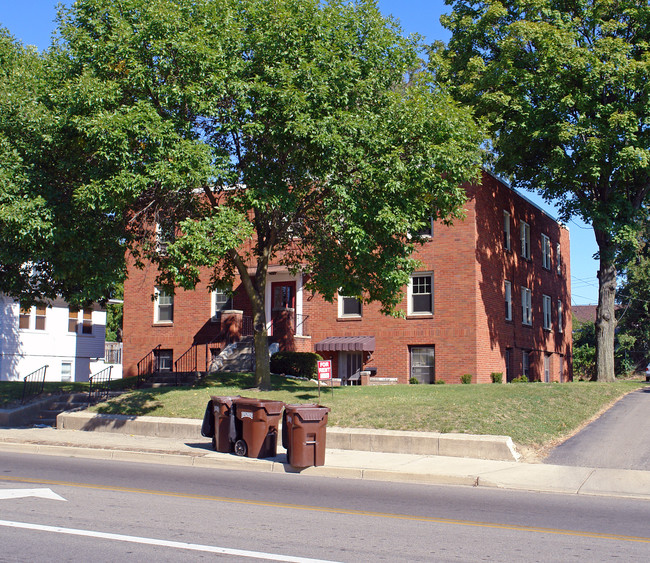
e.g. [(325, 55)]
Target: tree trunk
[(262, 362), (605, 313)]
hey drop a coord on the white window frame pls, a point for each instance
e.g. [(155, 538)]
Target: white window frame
[(215, 312), (558, 258), (560, 319), (546, 307), (547, 367), (157, 305), (507, 291), (525, 240), (411, 294), (546, 252), (525, 363), (427, 232), (69, 375), (506, 231), (32, 317), (526, 306), (341, 307)]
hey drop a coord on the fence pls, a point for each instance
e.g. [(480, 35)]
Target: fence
[(113, 352), (33, 383), (100, 384)]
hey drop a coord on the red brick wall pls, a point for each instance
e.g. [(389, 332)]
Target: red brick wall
[(468, 328)]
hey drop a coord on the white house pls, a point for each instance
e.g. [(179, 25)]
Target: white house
[(68, 340)]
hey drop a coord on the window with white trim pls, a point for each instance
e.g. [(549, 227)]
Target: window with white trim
[(546, 252), (427, 230), (506, 230), (547, 367), (508, 298), (221, 301), (546, 306), (164, 359), (163, 306), (526, 306), (560, 320), (37, 313), (558, 258), (349, 306), (420, 294), (525, 240), (525, 363)]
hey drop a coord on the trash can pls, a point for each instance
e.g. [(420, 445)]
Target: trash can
[(226, 425), (259, 419), (303, 434)]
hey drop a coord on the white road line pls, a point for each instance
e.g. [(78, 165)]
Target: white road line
[(161, 543), (22, 493)]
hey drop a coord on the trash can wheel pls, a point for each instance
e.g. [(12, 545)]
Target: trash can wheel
[(240, 448)]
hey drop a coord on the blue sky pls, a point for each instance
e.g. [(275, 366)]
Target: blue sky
[(32, 22)]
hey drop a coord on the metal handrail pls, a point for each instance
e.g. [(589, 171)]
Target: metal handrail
[(99, 384), (146, 365), (34, 383)]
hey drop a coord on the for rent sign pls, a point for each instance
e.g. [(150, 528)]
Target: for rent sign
[(324, 370)]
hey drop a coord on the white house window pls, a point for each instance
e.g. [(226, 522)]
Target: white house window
[(87, 321), (39, 313), (420, 294), (427, 230), (73, 318), (164, 307), (525, 240), (164, 359), (560, 320), (24, 317), (40, 317), (221, 301), (165, 235), (66, 371), (423, 364), (508, 298), (506, 230), (526, 306), (525, 363), (546, 252), (349, 306), (558, 258), (546, 302)]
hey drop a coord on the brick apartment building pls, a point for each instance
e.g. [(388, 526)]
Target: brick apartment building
[(493, 295)]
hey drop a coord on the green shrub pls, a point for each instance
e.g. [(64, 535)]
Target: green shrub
[(520, 379), (413, 381), (300, 364), (466, 378), (497, 377), (440, 382)]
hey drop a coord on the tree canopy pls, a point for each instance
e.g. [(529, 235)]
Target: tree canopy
[(564, 89), (248, 125)]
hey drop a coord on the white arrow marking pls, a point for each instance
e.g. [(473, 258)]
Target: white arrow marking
[(22, 493)]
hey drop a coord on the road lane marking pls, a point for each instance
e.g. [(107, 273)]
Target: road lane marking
[(23, 493), (160, 543), (342, 511)]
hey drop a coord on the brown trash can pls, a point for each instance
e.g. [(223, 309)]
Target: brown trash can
[(225, 424), (259, 419), (303, 434)]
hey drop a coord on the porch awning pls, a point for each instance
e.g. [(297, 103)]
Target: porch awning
[(344, 343)]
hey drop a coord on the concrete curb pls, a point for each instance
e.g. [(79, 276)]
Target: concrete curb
[(497, 448)]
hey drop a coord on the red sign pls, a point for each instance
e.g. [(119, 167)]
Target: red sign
[(324, 369)]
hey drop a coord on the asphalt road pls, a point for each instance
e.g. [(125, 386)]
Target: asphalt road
[(117, 511), (619, 439)]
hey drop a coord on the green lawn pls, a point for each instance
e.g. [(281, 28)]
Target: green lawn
[(533, 414)]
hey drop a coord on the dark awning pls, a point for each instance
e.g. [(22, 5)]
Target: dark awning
[(343, 343)]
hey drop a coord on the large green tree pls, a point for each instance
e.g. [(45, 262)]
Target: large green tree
[(564, 86), (260, 130)]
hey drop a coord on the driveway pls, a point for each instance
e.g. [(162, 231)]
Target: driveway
[(619, 439)]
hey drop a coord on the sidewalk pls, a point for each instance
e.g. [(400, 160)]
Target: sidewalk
[(348, 464)]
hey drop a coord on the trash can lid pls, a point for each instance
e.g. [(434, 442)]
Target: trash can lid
[(224, 400), (271, 407), (308, 412)]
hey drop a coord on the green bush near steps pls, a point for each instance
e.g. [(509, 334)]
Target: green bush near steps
[(497, 377), (466, 378), (299, 364)]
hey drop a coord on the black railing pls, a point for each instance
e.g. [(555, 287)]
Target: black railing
[(188, 361), (147, 365), (99, 384), (34, 383)]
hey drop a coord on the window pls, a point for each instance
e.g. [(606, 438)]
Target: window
[(349, 306), (87, 323), (525, 240), (546, 302), (40, 317), (163, 360), (421, 294), (221, 301), (73, 316), (427, 230), (423, 364), (506, 230), (547, 368), (558, 258), (24, 317), (561, 369), (165, 235), (546, 252), (560, 320), (526, 307), (66, 371), (509, 376), (164, 308), (508, 296), (525, 363)]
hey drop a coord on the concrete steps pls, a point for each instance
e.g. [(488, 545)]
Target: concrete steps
[(236, 357)]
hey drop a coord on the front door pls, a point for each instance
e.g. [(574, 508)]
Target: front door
[(283, 310), (349, 364)]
